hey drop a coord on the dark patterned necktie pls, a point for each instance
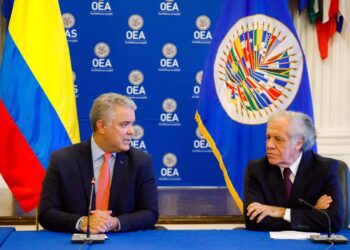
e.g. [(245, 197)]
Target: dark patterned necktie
[(287, 182)]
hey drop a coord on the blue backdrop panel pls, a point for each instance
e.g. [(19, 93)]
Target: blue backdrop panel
[(154, 52)]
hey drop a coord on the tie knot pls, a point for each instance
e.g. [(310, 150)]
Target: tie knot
[(106, 156), (286, 173)]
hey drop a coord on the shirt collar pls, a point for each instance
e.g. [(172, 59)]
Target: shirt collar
[(96, 151), (294, 167)]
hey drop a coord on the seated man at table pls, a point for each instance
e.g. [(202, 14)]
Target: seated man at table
[(291, 171), (125, 197)]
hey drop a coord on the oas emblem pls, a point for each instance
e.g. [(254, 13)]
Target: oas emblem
[(102, 50), (199, 77), (68, 20), (74, 76), (138, 132), (169, 160), (257, 69), (135, 22), (169, 105), (136, 77), (203, 22), (199, 134), (169, 50)]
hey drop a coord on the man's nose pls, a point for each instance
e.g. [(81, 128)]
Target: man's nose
[(131, 130), (270, 143)]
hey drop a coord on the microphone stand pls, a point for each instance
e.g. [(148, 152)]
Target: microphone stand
[(329, 238), (89, 238), (89, 210)]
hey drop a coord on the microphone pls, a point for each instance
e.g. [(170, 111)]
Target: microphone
[(87, 238), (329, 238)]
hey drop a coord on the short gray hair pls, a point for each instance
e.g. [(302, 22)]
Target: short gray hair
[(105, 104), (300, 126)]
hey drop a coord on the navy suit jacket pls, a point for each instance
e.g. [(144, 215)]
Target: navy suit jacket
[(67, 185), (315, 177)]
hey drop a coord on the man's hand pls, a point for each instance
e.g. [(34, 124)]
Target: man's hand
[(256, 209), (324, 202), (101, 222)]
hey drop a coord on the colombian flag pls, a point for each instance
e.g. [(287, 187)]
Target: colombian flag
[(37, 103), (255, 67)]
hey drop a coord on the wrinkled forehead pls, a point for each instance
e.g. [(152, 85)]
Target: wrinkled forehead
[(279, 126), (120, 113)]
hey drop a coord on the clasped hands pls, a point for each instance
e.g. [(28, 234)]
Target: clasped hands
[(260, 211), (100, 222)]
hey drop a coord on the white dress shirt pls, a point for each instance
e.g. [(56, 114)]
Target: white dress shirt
[(294, 168)]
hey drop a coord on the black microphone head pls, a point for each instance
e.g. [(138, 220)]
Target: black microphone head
[(301, 200)]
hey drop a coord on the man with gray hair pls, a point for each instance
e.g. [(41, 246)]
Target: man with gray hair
[(291, 171), (125, 197)]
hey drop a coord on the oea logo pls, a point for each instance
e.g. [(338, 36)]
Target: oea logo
[(101, 50), (169, 51), (170, 161), (138, 135), (135, 22), (169, 6), (69, 22), (203, 23), (136, 79), (200, 143), (197, 88), (101, 6), (169, 105)]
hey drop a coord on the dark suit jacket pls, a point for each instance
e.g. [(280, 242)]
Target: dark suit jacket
[(66, 189), (315, 177)]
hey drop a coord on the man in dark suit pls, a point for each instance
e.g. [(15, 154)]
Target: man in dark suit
[(126, 191), (289, 172)]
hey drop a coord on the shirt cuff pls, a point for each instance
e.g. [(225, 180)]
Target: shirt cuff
[(286, 215), (119, 227), (77, 224)]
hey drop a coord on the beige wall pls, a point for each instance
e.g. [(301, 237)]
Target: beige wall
[(330, 87)]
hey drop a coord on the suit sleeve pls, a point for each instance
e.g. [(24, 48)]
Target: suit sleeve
[(310, 220), (51, 215), (146, 213), (253, 187)]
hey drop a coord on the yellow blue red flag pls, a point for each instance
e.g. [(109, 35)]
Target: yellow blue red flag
[(37, 103), (255, 67)]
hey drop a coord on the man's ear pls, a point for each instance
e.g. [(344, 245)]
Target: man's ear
[(299, 145), (100, 127)]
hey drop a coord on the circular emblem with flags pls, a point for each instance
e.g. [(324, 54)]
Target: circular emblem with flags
[(257, 69)]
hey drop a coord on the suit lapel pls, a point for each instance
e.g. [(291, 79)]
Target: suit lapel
[(86, 168), (301, 179), (120, 169), (276, 181)]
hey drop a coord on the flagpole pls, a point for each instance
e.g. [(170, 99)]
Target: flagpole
[(36, 219)]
